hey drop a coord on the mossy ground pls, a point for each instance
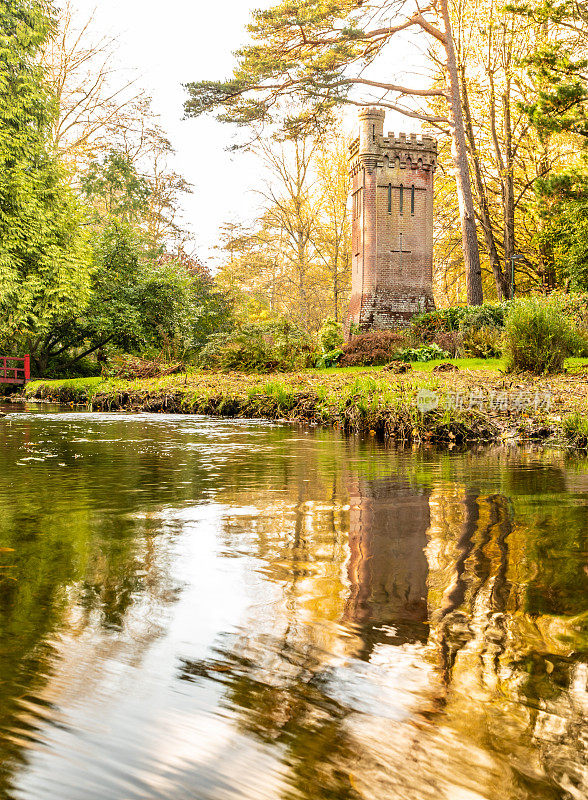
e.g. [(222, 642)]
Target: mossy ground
[(357, 399)]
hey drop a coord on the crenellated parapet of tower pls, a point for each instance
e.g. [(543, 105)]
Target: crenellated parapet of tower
[(374, 149)]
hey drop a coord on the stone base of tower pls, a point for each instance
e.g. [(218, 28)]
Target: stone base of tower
[(387, 309)]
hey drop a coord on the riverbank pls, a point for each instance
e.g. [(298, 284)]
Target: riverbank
[(466, 405)]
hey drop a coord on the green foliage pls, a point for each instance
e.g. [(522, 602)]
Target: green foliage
[(275, 347), (483, 342), (562, 100), (72, 283), (136, 305), (557, 67), (371, 349), (284, 397), (114, 188), (67, 367), (575, 429), (331, 340), (473, 330), (485, 316), (563, 202), (117, 296), (538, 337), (574, 305), (139, 304), (426, 352), (424, 327), (330, 359), (44, 255), (211, 311), (280, 54), (331, 335)]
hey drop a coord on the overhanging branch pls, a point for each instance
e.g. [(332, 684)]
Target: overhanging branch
[(404, 111), (391, 87)]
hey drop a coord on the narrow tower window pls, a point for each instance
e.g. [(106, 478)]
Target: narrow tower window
[(373, 133), (389, 198), (357, 204), (412, 200), (401, 198)]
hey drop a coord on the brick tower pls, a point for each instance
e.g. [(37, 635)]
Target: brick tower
[(392, 240)]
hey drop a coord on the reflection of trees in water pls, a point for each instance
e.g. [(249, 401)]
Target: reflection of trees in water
[(478, 580), (432, 554), (75, 544), (66, 554), (279, 691), (373, 582), (511, 675), (512, 695), (36, 609)]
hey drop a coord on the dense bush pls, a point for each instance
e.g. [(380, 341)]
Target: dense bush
[(425, 352), (575, 428), (371, 349), (450, 341), (276, 347), (428, 327), (483, 342), (331, 335), (538, 337), (574, 305), (63, 368), (331, 341), (330, 359), (489, 315), (424, 327)]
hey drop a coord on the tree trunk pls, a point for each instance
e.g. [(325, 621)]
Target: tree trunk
[(336, 278), (505, 171), (509, 198), (500, 276), (467, 212)]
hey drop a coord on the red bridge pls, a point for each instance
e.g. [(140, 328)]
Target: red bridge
[(15, 370)]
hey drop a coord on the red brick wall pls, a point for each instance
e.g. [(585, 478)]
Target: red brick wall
[(389, 287)]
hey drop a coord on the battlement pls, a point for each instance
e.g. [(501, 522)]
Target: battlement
[(371, 111), (421, 142), (407, 150), (410, 141)]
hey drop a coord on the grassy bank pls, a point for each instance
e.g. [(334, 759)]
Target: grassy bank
[(476, 403)]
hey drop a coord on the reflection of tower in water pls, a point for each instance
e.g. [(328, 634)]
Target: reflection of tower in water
[(388, 568)]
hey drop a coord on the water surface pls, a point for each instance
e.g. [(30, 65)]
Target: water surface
[(211, 610)]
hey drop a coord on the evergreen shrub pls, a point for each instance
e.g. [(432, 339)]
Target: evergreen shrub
[(539, 337), (275, 347)]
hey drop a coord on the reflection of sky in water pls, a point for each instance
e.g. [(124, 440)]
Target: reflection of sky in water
[(209, 609)]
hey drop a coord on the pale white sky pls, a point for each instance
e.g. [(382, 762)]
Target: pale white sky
[(174, 42)]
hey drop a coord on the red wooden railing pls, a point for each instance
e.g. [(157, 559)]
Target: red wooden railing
[(15, 370)]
